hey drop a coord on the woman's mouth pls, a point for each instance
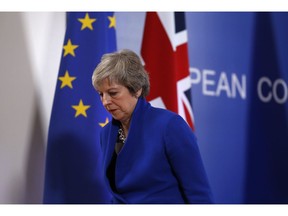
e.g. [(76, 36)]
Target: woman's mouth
[(112, 111)]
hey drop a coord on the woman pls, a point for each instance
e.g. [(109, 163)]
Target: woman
[(150, 154)]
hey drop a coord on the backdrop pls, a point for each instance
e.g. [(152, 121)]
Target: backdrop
[(239, 76)]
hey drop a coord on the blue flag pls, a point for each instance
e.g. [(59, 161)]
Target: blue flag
[(73, 160), (267, 160)]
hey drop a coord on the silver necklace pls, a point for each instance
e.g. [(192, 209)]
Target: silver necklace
[(122, 137)]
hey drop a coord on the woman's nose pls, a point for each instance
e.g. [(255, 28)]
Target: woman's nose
[(106, 99)]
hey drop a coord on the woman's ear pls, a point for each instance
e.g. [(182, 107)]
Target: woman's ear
[(138, 93)]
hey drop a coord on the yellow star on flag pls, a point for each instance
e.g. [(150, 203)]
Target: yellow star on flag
[(66, 80), (86, 22), (103, 124), (112, 21), (69, 48), (81, 109)]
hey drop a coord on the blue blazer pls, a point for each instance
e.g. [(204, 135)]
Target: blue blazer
[(160, 161)]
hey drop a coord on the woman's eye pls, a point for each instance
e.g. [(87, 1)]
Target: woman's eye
[(113, 94)]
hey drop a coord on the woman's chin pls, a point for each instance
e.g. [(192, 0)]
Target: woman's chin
[(116, 117)]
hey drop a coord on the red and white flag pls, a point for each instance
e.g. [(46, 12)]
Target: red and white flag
[(165, 55)]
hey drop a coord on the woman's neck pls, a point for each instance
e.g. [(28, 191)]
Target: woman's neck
[(125, 126)]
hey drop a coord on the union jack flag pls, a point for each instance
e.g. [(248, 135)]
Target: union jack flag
[(165, 54)]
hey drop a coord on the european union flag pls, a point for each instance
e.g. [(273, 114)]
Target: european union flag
[(73, 159)]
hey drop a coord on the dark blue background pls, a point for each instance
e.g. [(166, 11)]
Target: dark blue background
[(233, 142)]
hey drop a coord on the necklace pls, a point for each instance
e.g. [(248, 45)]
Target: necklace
[(121, 134)]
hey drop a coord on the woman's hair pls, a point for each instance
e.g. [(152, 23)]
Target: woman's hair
[(125, 68)]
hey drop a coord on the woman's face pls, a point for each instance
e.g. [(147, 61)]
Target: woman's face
[(117, 100)]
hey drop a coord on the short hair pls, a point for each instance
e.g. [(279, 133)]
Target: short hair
[(123, 67)]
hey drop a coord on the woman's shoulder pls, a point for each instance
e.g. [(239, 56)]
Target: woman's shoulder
[(163, 114), (167, 116), (161, 111)]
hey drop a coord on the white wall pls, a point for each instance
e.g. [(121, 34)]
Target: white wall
[(31, 45)]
